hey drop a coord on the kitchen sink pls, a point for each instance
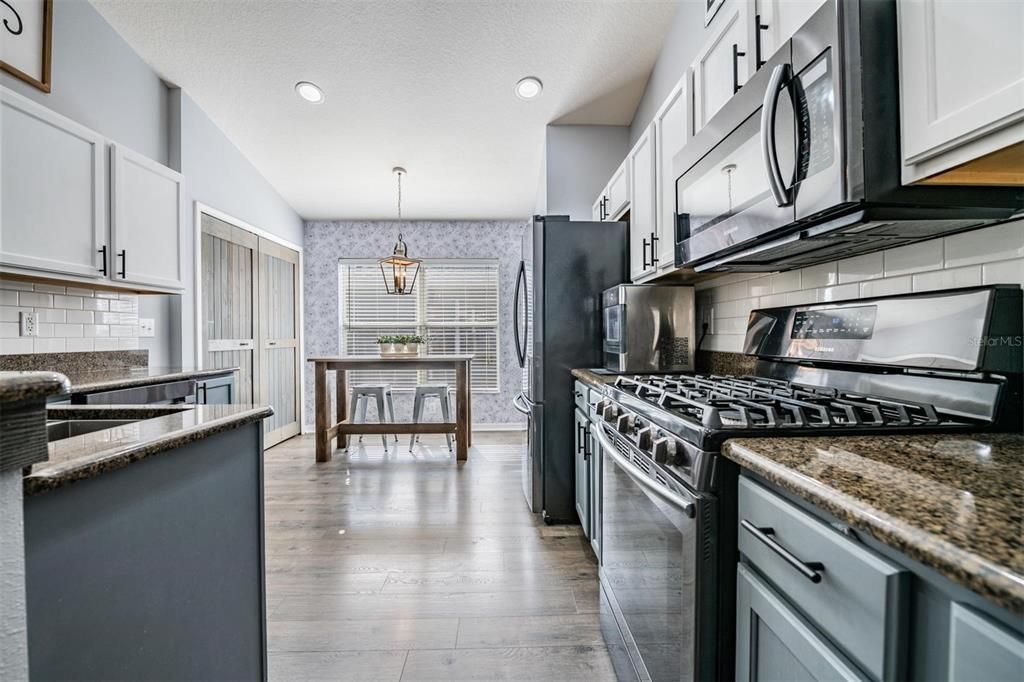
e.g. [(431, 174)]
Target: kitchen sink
[(59, 429)]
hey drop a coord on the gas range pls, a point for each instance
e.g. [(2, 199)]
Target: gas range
[(928, 363)]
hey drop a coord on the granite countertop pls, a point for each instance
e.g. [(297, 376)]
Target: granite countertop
[(593, 378), (954, 503), (90, 380), (19, 386), (161, 428)]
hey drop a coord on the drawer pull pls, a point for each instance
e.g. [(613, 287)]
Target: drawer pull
[(808, 569)]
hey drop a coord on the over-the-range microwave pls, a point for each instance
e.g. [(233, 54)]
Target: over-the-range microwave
[(802, 165)]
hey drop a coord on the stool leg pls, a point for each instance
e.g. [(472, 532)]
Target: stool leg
[(381, 416), (359, 412), (391, 408), (446, 415), (417, 410)]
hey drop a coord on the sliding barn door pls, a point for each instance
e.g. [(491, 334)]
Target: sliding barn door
[(228, 334), (279, 339)]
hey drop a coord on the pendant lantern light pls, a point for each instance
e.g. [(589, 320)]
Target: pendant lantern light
[(399, 270)]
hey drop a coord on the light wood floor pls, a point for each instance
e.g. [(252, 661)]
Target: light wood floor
[(410, 567)]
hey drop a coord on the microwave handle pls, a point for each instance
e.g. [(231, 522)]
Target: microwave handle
[(769, 153)]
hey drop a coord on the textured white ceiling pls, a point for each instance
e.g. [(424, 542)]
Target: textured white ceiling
[(423, 84)]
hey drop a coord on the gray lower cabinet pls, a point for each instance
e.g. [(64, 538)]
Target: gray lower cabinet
[(216, 390), (583, 459), (980, 649), (773, 642)]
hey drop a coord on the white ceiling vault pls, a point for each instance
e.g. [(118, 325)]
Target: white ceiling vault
[(427, 85)]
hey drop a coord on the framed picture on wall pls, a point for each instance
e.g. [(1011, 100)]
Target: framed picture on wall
[(26, 37), (711, 8)]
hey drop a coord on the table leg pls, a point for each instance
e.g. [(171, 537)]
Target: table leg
[(461, 412), (341, 403), (323, 449), (469, 403)]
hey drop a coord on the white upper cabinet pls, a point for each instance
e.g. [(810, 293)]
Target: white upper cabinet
[(53, 191), (961, 81), (618, 193), (670, 125), (67, 211), (724, 62), (775, 22), (147, 230), (642, 213)]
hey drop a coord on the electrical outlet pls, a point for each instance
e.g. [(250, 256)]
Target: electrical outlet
[(29, 324), (147, 326)]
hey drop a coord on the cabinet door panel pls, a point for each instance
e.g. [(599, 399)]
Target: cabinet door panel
[(981, 650), (713, 81), (780, 20), (581, 452), (670, 125), (147, 229), (962, 72), (642, 227), (53, 190), (774, 643), (618, 193)]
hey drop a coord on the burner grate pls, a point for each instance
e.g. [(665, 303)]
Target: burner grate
[(748, 402)]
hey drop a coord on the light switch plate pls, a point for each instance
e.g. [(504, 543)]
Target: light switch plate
[(147, 326), (29, 323)]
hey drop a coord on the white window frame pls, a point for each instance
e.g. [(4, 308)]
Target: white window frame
[(421, 325)]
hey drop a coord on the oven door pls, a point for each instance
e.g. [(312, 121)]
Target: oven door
[(654, 579)]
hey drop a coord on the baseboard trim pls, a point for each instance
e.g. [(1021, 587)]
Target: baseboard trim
[(511, 426)]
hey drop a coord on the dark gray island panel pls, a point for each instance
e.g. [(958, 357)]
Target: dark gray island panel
[(154, 570)]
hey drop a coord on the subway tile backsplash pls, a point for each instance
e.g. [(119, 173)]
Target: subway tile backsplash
[(70, 318), (993, 255)]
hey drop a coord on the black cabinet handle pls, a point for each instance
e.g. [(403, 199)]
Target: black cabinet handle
[(103, 260), (654, 250), (736, 54), (809, 569), (123, 255), (757, 40)]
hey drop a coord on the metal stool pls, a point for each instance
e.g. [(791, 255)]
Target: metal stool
[(439, 391), (361, 395)]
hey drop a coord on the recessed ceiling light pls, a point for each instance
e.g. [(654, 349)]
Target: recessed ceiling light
[(310, 92), (529, 87)]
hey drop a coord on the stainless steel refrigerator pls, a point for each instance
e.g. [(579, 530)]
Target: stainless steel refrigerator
[(565, 266)]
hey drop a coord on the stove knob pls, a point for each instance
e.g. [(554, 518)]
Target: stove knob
[(662, 449), (623, 423), (644, 438), (609, 412)]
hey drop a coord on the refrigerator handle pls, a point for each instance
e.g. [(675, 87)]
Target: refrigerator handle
[(520, 353)]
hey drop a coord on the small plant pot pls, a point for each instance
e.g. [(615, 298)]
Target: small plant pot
[(399, 350)]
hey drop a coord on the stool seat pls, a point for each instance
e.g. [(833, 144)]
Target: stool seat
[(381, 393), (424, 391)]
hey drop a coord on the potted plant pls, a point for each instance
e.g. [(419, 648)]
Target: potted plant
[(399, 345)]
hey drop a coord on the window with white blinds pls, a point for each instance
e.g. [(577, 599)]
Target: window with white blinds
[(454, 306)]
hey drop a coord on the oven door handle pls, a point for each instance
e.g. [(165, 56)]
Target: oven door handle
[(688, 507), (769, 151)]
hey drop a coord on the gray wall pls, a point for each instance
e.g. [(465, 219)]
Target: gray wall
[(684, 39), (578, 161), (101, 82), (326, 242)]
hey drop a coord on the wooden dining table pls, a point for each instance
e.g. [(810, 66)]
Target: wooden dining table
[(343, 427)]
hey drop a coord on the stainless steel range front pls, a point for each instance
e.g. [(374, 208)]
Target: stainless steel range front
[(936, 362)]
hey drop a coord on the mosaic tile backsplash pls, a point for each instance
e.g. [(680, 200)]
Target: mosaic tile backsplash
[(71, 318)]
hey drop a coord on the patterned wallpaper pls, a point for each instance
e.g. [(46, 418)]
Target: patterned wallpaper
[(326, 242)]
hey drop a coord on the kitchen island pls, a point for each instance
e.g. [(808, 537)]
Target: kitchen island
[(144, 545)]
